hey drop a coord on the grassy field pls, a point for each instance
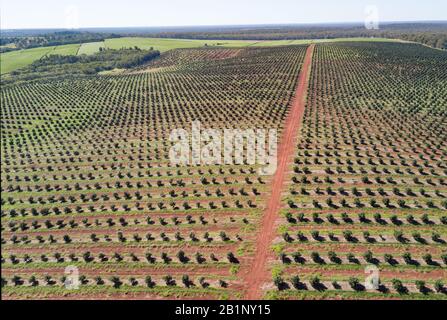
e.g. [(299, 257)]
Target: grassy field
[(9, 45), (164, 45), (90, 48), (15, 60)]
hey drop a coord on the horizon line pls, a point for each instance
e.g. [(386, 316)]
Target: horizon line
[(225, 25)]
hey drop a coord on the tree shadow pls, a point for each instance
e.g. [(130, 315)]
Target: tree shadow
[(359, 287), (286, 260), (319, 286), (319, 260), (393, 262), (336, 260), (301, 286), (424, 290), (370, 240), (300, 260), (283, 286), (374, 261), (334, 238), (383, 289)]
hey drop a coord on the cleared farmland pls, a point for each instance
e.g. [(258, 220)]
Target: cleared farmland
[(15, 60), (164, 45), (90, 48)]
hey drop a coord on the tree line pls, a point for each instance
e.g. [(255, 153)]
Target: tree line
[(106, 59), (431, 34)]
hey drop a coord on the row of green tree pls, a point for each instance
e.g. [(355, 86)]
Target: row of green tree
[(431, 34)]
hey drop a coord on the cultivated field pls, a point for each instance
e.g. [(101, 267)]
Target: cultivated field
[(92, 185), (361, 182), (368, 182)]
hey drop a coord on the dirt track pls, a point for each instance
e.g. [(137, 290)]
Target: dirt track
[(258, 272)]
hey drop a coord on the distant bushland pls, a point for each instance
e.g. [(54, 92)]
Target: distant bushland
[(106, 59)]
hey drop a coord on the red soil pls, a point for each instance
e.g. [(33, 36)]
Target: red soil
[(258, 272), (401, 274)]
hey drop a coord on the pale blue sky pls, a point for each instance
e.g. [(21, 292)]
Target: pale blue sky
[(134, 13)]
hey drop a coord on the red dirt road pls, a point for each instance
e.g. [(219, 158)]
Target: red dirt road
[(258, 273)]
